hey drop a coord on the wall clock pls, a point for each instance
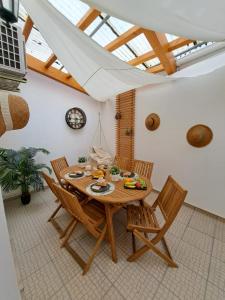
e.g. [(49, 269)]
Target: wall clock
[(75, 118)]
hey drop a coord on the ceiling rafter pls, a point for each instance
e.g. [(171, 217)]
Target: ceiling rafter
[(27, 28), (159, 44), (84, 22), (124, 38), (175, 44), (39, 66)]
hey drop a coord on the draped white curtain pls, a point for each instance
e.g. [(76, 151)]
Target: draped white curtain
[(194, 19), (99, 72)]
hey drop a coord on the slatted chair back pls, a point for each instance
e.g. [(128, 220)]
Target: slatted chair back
[(143, 168), (74, 208), (122, 162), (58, 165), (50, 181), (170, 200)]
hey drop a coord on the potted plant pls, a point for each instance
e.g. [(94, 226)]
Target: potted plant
[(115, 173), (82, 160), (18, 169)]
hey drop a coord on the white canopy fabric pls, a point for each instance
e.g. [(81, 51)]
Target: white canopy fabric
[(99, 72), (194, 19)]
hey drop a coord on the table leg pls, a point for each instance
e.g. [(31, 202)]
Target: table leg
[(109, 215)]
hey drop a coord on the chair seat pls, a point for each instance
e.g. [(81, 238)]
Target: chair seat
[(141, 218)]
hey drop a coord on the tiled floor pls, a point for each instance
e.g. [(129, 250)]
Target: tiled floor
[(45, 271)]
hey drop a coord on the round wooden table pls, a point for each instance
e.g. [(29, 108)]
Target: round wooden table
[(112, 201)]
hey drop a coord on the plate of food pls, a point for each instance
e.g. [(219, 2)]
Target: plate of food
[(76, 174), (100, 186), (135, 184), (126, 174)]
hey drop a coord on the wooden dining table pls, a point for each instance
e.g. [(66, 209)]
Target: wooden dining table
[(119, 197)]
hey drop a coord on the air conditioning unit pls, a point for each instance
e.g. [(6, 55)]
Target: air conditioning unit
[(12, 56)]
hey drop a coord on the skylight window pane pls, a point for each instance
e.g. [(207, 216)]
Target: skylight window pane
[(141, 67), (124, 53), (104, 36), (140, 45), (171, 37), (72, 10), (119, 25), (93, 25), (37, 46), (152, 62), (22, 12)]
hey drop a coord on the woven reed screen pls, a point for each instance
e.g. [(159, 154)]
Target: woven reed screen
[(125, 106)]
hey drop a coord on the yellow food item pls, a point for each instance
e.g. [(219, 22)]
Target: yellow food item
[(98, 174), (128, 180)]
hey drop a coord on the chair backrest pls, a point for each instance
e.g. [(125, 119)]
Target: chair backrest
[(58, 165), (122, 162), (73, 207), (143, 168), (170, 200)]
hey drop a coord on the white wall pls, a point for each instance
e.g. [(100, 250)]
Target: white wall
[(180, 105), (8, 285), (48, 101)]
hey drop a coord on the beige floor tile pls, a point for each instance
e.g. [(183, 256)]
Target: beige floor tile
[(52, 246), (62, 294), (164, 294), (219, 250), (217, 273), (87, 242), (193, 258), (66, 265), (140, 285), (185, 214), (198, 239), (42, 284), (32, 260), (214, 293), (177, 229), (93, 285), (203, 222), (220, 230), (113, 294), (185, 283)]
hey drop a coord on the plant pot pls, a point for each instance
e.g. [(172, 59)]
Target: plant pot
[(25, 198), (115, 177)]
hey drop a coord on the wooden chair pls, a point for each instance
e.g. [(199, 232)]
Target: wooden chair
[(142, 220), (90, 216), (58, 165), (122, 162), (143, 168), (51, 182)]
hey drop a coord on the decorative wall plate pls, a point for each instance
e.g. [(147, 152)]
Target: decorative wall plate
[(75, 118), (199, 135), (152, 122)]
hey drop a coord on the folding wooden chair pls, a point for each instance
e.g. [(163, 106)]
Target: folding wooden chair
[(50, 182), (143, 168), (142, 220), (58, 165), (91, 216), (122, 162)]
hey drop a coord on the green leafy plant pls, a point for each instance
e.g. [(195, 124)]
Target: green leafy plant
[(18, 169), (82, 159), (114, 170)]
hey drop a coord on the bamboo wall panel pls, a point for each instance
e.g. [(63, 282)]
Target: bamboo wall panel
[(125, 105)]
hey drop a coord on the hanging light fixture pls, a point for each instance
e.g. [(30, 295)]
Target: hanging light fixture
[(9, 10)]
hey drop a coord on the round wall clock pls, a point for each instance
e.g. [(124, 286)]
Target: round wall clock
[(75, 118)]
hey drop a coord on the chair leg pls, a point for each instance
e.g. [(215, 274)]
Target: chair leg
[(55, 212), (133, 243), (66, 229), (150, 246), (69, 233), (97, 245)]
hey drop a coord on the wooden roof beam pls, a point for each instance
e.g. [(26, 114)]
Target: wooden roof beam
[(155, 69), (171, 46), (124, 38), (159, 44), (39, 66), (84, 22), (27, 28)]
